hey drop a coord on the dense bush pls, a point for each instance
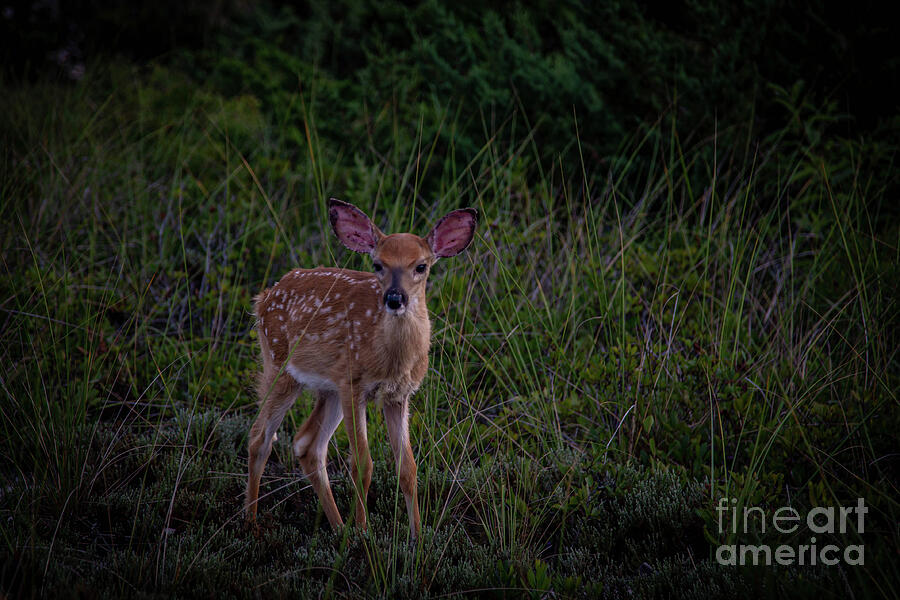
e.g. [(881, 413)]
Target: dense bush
[(613, 65)]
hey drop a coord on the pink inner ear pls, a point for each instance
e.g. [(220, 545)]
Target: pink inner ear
[(452, 233), (352, 227)]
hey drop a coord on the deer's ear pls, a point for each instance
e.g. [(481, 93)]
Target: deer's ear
[(453, 233), (352, 226)]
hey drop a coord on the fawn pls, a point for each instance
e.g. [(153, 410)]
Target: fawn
[(350, 337)]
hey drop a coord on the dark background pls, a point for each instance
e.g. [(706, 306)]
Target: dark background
[(614, 64)]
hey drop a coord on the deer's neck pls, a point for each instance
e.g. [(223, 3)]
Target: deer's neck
[(405, 339)]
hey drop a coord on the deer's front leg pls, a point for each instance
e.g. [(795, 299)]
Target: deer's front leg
[(396, 417), (354, 407)]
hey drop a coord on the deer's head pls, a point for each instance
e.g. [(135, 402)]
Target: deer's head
[(401, 261)]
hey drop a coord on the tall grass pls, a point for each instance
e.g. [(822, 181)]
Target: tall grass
[(625, 343)]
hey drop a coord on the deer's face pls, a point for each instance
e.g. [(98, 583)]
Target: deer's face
[(401, 263)]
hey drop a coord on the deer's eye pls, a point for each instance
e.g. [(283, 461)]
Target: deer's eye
[(377, 267), (420, 268)]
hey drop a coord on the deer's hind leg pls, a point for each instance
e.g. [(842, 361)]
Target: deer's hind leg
[(311, 449), (277, 393)]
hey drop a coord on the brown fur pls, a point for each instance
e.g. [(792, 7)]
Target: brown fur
[(328, 330), (347, 336)]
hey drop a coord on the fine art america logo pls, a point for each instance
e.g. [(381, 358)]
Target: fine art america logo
[(821, 520)]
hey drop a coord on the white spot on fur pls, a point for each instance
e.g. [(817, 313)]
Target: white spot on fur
[(337, 317)]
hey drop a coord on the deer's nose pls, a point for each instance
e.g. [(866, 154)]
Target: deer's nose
[(394, 298)]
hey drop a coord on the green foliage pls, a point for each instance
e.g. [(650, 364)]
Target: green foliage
[(539, 66), (623, 344)]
